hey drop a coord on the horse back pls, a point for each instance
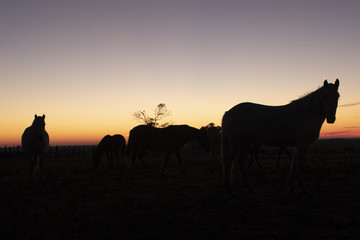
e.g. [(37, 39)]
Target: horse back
[(34, 140), (119, 141), (161, 139), (270, 125), (112, 143)]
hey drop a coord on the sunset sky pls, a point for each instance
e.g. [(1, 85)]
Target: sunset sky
[(89, 65)]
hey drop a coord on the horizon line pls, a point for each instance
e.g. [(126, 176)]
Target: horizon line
[(94, 144)]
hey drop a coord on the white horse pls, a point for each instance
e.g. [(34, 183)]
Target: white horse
[(295, 124), (35, 143)]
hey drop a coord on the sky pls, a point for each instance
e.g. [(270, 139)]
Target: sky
[(89, 65)]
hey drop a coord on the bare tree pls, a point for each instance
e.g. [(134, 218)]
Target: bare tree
[(159, 113)]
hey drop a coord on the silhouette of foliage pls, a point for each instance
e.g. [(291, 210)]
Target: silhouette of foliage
[(214, 134), (159, 113), (212, 130)]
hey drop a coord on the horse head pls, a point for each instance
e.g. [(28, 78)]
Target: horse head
[(39, 122), (330, 99)]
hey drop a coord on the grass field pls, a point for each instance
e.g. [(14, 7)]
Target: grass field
[(78, 202)]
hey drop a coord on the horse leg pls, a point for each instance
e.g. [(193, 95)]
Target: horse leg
[(141, 157), (256, 156), (168, 155), (109, 157), (292, 173), (122, 154), (117, 157), (278, 157), (241, 161), (32, 168), (133, 156), (41, 167), (286, 150), (178, 156), (227, 155), (287, 154), (37, 166), (301, 149)]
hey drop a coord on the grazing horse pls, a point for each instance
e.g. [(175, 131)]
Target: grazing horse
[(295, 124), (170, 139), (111, 145), (35, 143)]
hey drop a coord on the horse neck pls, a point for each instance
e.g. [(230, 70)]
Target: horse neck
[(310, 107), (37, 127)]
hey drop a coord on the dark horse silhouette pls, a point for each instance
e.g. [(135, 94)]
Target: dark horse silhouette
[(295, 124), (35, 144), (170, 139), (111, 145)]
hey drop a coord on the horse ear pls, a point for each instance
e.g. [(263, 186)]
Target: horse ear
[(337, 83), (35, 116), (326, 83), (43, 116)]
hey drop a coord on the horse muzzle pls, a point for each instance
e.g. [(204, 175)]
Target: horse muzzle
[(330, 119)]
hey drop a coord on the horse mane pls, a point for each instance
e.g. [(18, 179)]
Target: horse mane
[(307, 97)]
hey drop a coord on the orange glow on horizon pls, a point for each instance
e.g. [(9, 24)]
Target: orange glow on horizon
[(88, 128), (340, 134), (93, 137)]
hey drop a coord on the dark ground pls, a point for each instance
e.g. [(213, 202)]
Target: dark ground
[(78, 202)]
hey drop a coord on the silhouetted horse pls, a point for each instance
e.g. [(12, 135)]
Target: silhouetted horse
[(35, 143), (111, 145), (295, 124), (170, 139)]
